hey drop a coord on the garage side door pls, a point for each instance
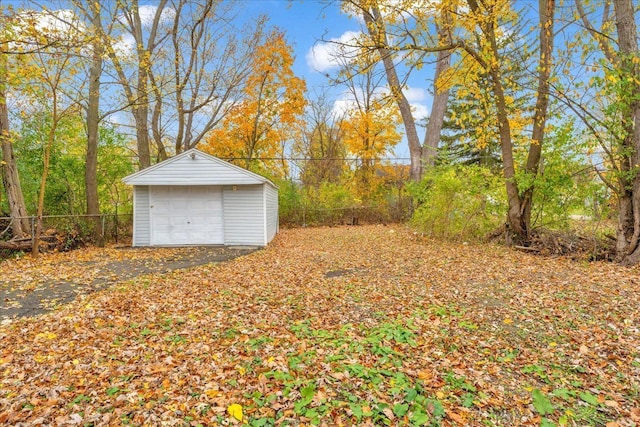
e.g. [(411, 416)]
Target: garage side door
[(186, 215)]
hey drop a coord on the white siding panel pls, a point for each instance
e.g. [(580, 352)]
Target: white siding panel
[(141, 222), (272, 212), (199, 169), (243, 215)]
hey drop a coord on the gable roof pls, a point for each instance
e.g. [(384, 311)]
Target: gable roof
[(194, 167)]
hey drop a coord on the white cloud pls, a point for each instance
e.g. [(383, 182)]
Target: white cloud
[(61, 24), (342, 106), (348, 102), (62, 21), (414, 94), (328, 55), (115, 119), (420, 111), (148, 12), (125, 45)]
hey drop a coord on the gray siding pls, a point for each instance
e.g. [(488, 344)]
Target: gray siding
[(194, 168), (141, 220), (272, 211), (249, 201), (243, 215)]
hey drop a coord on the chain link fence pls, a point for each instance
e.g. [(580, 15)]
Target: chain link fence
[(70, 231), (304, 216)]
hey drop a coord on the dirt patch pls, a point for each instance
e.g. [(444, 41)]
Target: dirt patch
[(31, 287)]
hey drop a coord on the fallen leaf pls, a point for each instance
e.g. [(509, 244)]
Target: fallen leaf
[(456, 417), (400, 339), (235, 410), (212, 393)]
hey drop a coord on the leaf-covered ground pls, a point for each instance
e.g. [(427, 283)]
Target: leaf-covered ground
[(339, 326), (29, 286)]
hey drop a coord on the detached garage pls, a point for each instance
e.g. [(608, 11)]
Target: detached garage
[(197, 199)]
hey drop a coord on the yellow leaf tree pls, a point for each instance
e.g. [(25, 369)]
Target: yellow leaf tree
[(49, 63), (404, 34), (472, 29), (8, 164), (370, 119), (370, 132), (484, 21), (268, 117)]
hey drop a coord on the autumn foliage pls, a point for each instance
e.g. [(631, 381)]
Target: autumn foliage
[(370, 133), (268, 116)]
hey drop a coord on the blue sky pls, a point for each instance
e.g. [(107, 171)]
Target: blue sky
[(306, 23), (309, 24)]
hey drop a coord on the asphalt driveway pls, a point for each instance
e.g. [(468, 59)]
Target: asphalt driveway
[(31, 287)]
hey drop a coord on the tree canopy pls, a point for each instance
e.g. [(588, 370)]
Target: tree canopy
[(514, 87)]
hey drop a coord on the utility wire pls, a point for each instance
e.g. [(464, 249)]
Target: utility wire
[(304, 159)]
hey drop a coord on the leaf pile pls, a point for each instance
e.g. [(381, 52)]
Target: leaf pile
[(339, 326)]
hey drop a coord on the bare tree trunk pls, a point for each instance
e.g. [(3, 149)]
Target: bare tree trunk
[(374, 23), (179, 83), (35, 250), (140, 112), (628, 232), (626, 156), (141, 107), (519, 206), (10, 177), (156, 127), (517, 229), (547, 12), (93, 122), (438, 106), (207, 77), (514, 214), (137, 95), (422, 155)]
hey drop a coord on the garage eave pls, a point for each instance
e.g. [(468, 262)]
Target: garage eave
[(193, 167)]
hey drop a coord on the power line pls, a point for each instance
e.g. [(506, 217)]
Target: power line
[(305, 159)]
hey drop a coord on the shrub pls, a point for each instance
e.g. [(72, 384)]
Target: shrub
[(458, 202)]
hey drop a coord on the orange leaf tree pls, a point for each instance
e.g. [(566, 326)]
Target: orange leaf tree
[(261, 124)]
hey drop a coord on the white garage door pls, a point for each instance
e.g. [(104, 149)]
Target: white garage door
[(186, 215)]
